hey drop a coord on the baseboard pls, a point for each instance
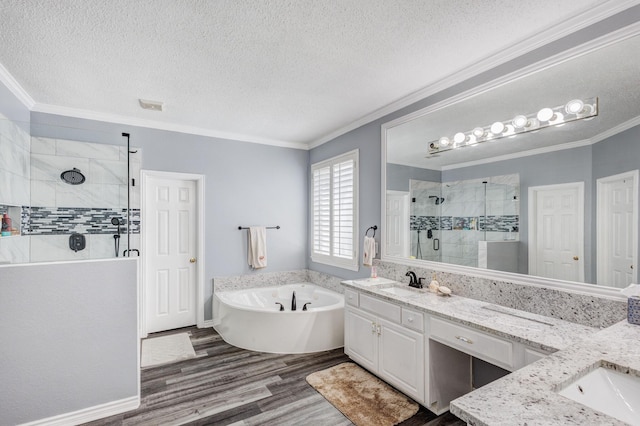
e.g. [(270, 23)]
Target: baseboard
[(90, 414), (207, 324)]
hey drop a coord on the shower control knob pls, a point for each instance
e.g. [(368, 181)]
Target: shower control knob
[(192, 260)]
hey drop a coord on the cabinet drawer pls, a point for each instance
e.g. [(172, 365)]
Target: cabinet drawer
[(473, 342), (380, 308), (412, 319), (351, 297)]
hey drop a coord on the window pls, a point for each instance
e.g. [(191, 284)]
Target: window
[(334, 206)]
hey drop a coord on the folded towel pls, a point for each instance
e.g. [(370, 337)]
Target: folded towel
[(368, 251), (257, 247)]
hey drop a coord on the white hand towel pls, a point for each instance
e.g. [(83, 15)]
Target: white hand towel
[(368, 251), (257, 247)]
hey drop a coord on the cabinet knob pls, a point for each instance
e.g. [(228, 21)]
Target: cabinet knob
[(464, 339), (410, 319)]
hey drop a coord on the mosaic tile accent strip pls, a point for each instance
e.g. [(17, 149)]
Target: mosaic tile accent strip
[(500, 223), (67, 220), (424, 222), (504, 223)]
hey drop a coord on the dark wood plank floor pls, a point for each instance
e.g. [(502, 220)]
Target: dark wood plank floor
[(225, 385)]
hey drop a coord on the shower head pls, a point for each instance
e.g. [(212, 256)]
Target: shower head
[(72, 177)]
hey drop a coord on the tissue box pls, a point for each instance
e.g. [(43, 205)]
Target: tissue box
[(633, 310)]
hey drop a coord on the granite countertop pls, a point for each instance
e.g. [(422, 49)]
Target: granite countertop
[(535, 331), (529, 395)]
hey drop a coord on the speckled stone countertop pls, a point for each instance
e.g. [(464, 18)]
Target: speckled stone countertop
[(529, 396), (535, 331)]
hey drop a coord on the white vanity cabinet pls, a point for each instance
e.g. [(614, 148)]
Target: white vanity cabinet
[(376, 339)]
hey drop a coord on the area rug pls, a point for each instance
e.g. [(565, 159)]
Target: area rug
[(166, 349), (361, 397)]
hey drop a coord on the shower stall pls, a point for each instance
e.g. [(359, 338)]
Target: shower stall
[(448, 220), (79, 198)]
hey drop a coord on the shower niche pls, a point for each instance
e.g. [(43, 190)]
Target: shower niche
[(463, 222)]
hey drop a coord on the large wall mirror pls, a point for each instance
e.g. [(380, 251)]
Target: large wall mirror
[(553, 194)]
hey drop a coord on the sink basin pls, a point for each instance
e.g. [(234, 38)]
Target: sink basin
[(398, 291), (608, 391)]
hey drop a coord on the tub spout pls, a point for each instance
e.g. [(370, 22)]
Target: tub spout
[(293, 301), (281, 307), (304, 308)]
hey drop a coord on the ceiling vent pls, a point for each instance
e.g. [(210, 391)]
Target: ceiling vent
[(152, 105)]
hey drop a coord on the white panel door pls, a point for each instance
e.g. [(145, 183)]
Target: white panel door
[(556, 226), (397, 226), (170, 270), (617, 225)]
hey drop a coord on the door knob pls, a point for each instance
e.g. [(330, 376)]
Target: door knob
[(192, 260), (576, 258)]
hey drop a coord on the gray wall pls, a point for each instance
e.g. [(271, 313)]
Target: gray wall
[(245, 184), (398, 176), (66, 342)]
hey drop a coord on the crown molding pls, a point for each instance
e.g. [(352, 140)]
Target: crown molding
[(519, 48), (615, 130), (172, 127), (12, 84)]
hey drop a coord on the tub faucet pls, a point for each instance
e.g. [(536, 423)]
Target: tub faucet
[(293, 301)]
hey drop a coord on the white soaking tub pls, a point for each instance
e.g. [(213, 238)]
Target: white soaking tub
[(252, 319)]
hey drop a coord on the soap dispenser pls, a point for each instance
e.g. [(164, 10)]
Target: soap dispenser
[(434, 285)]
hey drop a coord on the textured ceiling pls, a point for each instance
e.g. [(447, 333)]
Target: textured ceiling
[(278, 71)]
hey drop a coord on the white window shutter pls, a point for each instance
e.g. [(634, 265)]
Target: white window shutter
[(335, 211)]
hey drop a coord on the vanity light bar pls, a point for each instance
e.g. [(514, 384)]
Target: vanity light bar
[(575, 109)]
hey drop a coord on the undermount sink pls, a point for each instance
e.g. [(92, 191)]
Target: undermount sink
[(398, 291), (609, 391)]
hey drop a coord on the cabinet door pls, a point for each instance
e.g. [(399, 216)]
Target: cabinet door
[(361, 338), (401, 362)]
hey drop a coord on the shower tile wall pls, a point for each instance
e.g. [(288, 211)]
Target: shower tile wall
[(460, 221), (14, 184), (59, 209)]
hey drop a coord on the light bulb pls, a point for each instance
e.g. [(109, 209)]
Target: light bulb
[(478, 132), (444, 141), (575, 106), (497, 127), (433, 146), (546, 114), (472, 140), (520, 122), (459, 138)]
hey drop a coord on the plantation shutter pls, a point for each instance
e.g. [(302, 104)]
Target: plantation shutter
[(343, 209), (334, 211), (322, 211)]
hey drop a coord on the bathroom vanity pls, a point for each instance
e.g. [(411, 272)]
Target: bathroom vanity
[(423, 344)]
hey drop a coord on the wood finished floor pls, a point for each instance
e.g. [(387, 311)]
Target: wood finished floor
[(225, 385)]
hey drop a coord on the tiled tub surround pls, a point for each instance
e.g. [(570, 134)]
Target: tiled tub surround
[(582, 309), (270, 279), (529, 396)]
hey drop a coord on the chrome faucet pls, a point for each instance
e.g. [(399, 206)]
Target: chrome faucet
[(413, 280)]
